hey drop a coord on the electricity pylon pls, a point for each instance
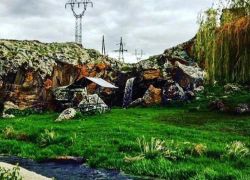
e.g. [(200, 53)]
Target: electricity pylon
[(81, 5), (121, 51), (103, 46), (139, 55)]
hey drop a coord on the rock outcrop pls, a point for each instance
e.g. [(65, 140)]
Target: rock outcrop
[(32, 72)]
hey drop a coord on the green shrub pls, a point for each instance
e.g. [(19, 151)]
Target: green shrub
[(151, 149), (236, 150), (9, 132), (196, 149), (174, 153), (46, 138), (157, 148), (10, 174), (26, 112)]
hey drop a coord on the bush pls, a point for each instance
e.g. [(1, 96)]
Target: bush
[(9, 132), (194, 149), (199, 149), (46, 138), (26, 112), (151, 149), (174, 152), (10, 174), (236, 150), (50, 137)]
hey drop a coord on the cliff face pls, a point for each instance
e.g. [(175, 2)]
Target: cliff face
[(30, 70)]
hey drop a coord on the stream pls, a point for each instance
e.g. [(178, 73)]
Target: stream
[(63, 171)]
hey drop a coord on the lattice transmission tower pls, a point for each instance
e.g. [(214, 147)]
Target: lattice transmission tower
[(78, 8), (121, 50), (103, 46), (139, 55)]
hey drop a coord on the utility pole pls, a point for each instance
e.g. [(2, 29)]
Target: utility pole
[(103, 46), (80, 5), (139, 55), (121, 50)]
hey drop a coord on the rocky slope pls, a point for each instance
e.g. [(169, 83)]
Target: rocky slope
[(30, 70)]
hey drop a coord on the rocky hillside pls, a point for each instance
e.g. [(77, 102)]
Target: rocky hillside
[(30, 70)]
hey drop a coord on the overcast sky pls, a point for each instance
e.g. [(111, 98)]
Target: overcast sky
[(144, 24)]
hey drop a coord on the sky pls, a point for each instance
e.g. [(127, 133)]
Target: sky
[(150, 25)]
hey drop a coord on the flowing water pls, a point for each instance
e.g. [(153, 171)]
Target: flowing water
[(127, 99), (59, 171)]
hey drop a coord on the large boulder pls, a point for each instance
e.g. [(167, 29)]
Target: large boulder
[(173, 92), (9, 105), (66, 115), (92, 104), (152, 96), (152, 74), (188, 75), (231, 88)]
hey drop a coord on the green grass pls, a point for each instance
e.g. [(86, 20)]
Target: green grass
[(105, 140)]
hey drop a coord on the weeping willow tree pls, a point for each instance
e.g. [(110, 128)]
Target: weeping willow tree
[(223, 48), (205, 43)]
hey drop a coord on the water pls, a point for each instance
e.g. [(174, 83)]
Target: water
[(127, 99), (72, 171)]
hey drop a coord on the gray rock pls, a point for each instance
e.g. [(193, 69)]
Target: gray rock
[(9, 105), (137, 102), (67, 114), (7, 116), (231, 88), (92, 104), (242, 108), (194, 72), (199, 89)]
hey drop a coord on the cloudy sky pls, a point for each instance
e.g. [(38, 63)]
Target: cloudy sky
[(144, 24)]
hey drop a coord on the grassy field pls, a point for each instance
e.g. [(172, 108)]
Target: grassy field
[(194, 147)]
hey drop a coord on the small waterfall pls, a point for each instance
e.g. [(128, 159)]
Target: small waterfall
[(127, 99)]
